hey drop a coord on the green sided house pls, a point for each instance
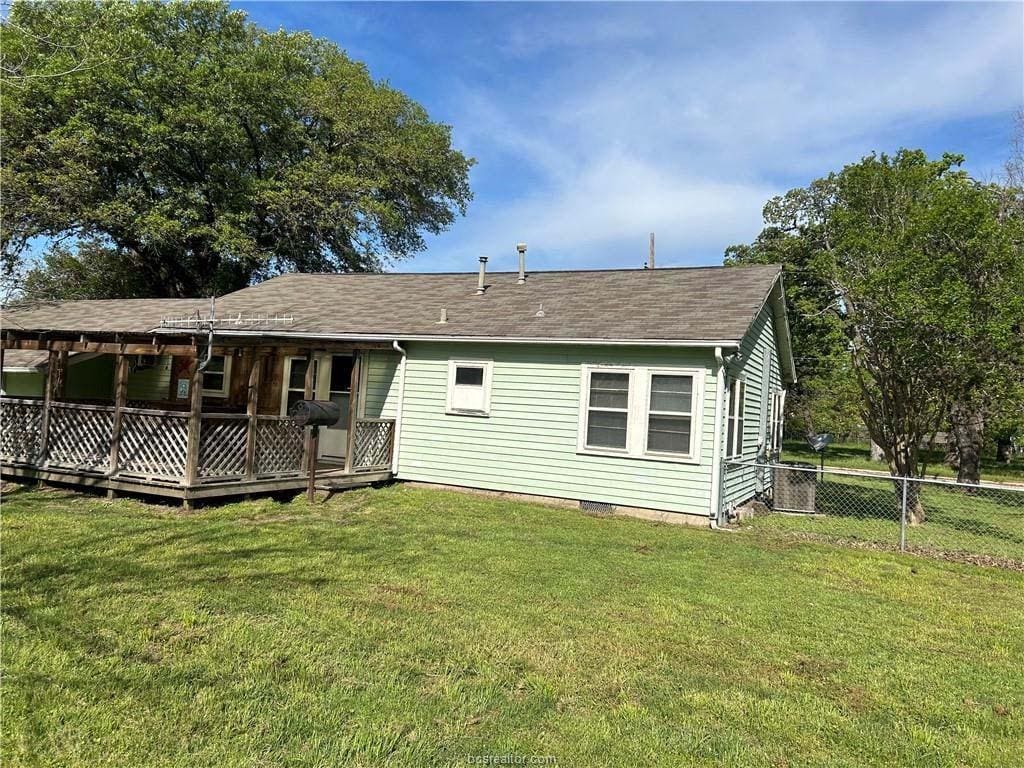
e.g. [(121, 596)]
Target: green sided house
[(621, 389)]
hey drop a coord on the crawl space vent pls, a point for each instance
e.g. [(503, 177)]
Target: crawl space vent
[(596, 507)]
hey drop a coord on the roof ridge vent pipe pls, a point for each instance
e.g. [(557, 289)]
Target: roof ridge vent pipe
[(521, 247), (480, 287)]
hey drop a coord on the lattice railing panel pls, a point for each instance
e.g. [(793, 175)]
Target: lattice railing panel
[(20, 428), (21, 425), (79, 437), (222, 446), (280, 446), (372, 443), (153, 444)]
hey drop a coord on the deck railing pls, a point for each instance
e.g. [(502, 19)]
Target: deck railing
[(153, 445), (372, 444)]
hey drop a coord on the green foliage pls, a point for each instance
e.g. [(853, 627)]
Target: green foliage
[(920, 273), (207, 151), (414, 627), (92, 271), (824, 398)]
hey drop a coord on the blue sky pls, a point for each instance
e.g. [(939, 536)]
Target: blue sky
[(594, 124)]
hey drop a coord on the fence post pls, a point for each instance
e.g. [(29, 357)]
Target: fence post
[(903, 518)]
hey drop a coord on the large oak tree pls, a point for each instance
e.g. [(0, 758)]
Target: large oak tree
[(183, 150), (921, 269)]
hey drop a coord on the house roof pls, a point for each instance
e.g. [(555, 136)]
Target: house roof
[(701, 303), (97, 315), (30, 360), (25, 359), (669, 304)]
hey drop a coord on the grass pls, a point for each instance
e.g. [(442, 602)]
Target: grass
[(984, 522), (858, 456), (415, 627)]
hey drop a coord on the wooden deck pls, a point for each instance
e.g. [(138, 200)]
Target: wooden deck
[(165, 453)]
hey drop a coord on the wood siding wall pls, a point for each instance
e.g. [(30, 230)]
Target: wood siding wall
[(528, 444), (380, 385), (761, 370)]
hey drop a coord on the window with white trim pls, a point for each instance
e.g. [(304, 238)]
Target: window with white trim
[(607, 410), (640, 412), (669, 413), (469, 387), (216, 376), (734, 419)]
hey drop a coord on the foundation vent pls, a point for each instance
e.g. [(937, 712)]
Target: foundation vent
[(596, 507)]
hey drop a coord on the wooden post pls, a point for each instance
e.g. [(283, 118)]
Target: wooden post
[(314, 445), (60, 378), (251, 410), (194, 425), (353, 408), (307, 394), (44, 426), (120, 398)]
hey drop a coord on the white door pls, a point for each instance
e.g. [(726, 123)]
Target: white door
[(332, 380)]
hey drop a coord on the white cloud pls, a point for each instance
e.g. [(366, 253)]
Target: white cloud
[(618, 128)]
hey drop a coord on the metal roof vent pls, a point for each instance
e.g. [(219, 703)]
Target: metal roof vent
[(480, 287), (521, 247), (540, 312), (444, 316)]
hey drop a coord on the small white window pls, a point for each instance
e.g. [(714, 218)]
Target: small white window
[(670, 418), (607, 410), (469, 387), (216, 376), (734, 430)]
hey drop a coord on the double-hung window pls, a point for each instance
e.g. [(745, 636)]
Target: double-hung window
[(216, 375), (734, 418), (640, 412), (607, 410), (469, 387), (670, 414)]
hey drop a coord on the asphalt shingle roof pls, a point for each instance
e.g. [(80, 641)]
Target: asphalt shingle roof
[(684, 304)]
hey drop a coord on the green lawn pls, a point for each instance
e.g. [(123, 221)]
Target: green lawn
[(416, 627), (858, 456), (986, 521)]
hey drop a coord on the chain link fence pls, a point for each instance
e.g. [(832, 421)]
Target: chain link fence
[(941, 518)]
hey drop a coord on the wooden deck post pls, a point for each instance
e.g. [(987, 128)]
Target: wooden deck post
[(60, 375), (194, 416), (307, 394), (252, 410), (44, 425), (354, 396), (120, 398)]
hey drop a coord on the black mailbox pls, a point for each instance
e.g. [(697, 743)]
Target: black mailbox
[(315, 413)]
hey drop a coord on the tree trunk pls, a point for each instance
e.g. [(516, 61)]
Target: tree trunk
[(967, 430), (1003, 450), (903, 463), (914, 507), (877, 454)]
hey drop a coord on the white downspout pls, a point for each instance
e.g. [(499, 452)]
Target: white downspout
[(716, 453), (398, 412)]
